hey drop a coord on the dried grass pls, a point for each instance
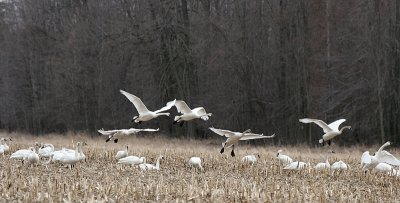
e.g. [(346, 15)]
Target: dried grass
[(224, 178)]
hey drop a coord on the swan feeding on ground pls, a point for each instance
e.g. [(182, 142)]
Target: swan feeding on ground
[(297, 165), (132, 160), (146, 167), (331, 130), (195, 162), (324, 165), (117, 134), (284, 159), (250, 158), (189, 114), (46, 150), (234, 137), (144, 113), (381, 156)]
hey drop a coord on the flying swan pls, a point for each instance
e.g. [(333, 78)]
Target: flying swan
[(189, 114), (144, 113), (331, 130), (234, 137), (116, 134), (381, 156)]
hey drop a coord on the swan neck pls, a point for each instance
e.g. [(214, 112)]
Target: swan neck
[(158, 163)]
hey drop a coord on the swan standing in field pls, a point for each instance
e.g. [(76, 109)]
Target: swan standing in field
[(116, 134), (71, 159), (189, 114), (132, 160), (22, 154), (144, 113), (46, 150), (331, 130), (250, 158), (284, 159), (146, 167), (122, 153), (381, 156), (195, 162), (4, 146), (234, 137), (297, 165), (32, 157)]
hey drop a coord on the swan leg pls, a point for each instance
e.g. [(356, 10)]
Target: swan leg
[(116, 141), (107, 140), (233, 152), (329, 142), (174, 122), (222, 150), (181, 124)]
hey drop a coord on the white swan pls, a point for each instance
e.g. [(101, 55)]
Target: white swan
[(297, 165), (145, 167), (116, 134), (71, 159), (284, 159), (122, 153), (144, 113), (234, 137), (4, 146), (21, 154), (195, 162), (331, 130), (339, 165), (381, 156), (132, 160), (384, 168), (46, 150), (250, 158), (324, 165), (189, 114), (32, 157)]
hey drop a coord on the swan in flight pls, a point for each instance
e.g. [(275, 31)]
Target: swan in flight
[(195, 162), (144, 113), (250, 158), (46, 150), (132, 160), (189, 114), (297, 165), (234, 137), (116, 134), (331, 130), (324, 165), (145, 167), (284, 159), (339, 165), (381, 156), (122, 153)]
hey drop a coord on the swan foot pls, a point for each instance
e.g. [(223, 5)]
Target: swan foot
[(116, 141), (107, 140), (222, 150), (329, 142), (232, 153)]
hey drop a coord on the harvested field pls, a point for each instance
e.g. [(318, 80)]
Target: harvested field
[(224, 179)]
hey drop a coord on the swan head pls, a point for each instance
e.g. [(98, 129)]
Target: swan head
[(247, 131), (143, 159), (279, 151)]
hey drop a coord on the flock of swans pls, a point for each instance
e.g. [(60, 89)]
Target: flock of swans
[(381, 161)]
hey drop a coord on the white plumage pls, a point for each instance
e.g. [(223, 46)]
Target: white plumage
[(339, 165), (189, 114), (250, 158), (146, 167), (122, 153), (117, 134), (132, 160), (381, 156), (331, 130), (284, 159), (195, 162)]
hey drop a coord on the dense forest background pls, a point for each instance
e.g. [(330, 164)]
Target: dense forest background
[(260, 64)]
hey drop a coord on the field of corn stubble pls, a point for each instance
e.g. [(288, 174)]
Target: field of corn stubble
[(224, 179)]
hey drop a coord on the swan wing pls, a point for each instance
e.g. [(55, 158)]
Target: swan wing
[(335, 125), (221, 132), (320, 123), (182, 107), (107, 132), (365, 158), (252, 136), (388, 158), (133, 130), (167, 107), (136, 101)]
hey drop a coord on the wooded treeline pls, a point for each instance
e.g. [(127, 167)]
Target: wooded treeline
[(259, 64)]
